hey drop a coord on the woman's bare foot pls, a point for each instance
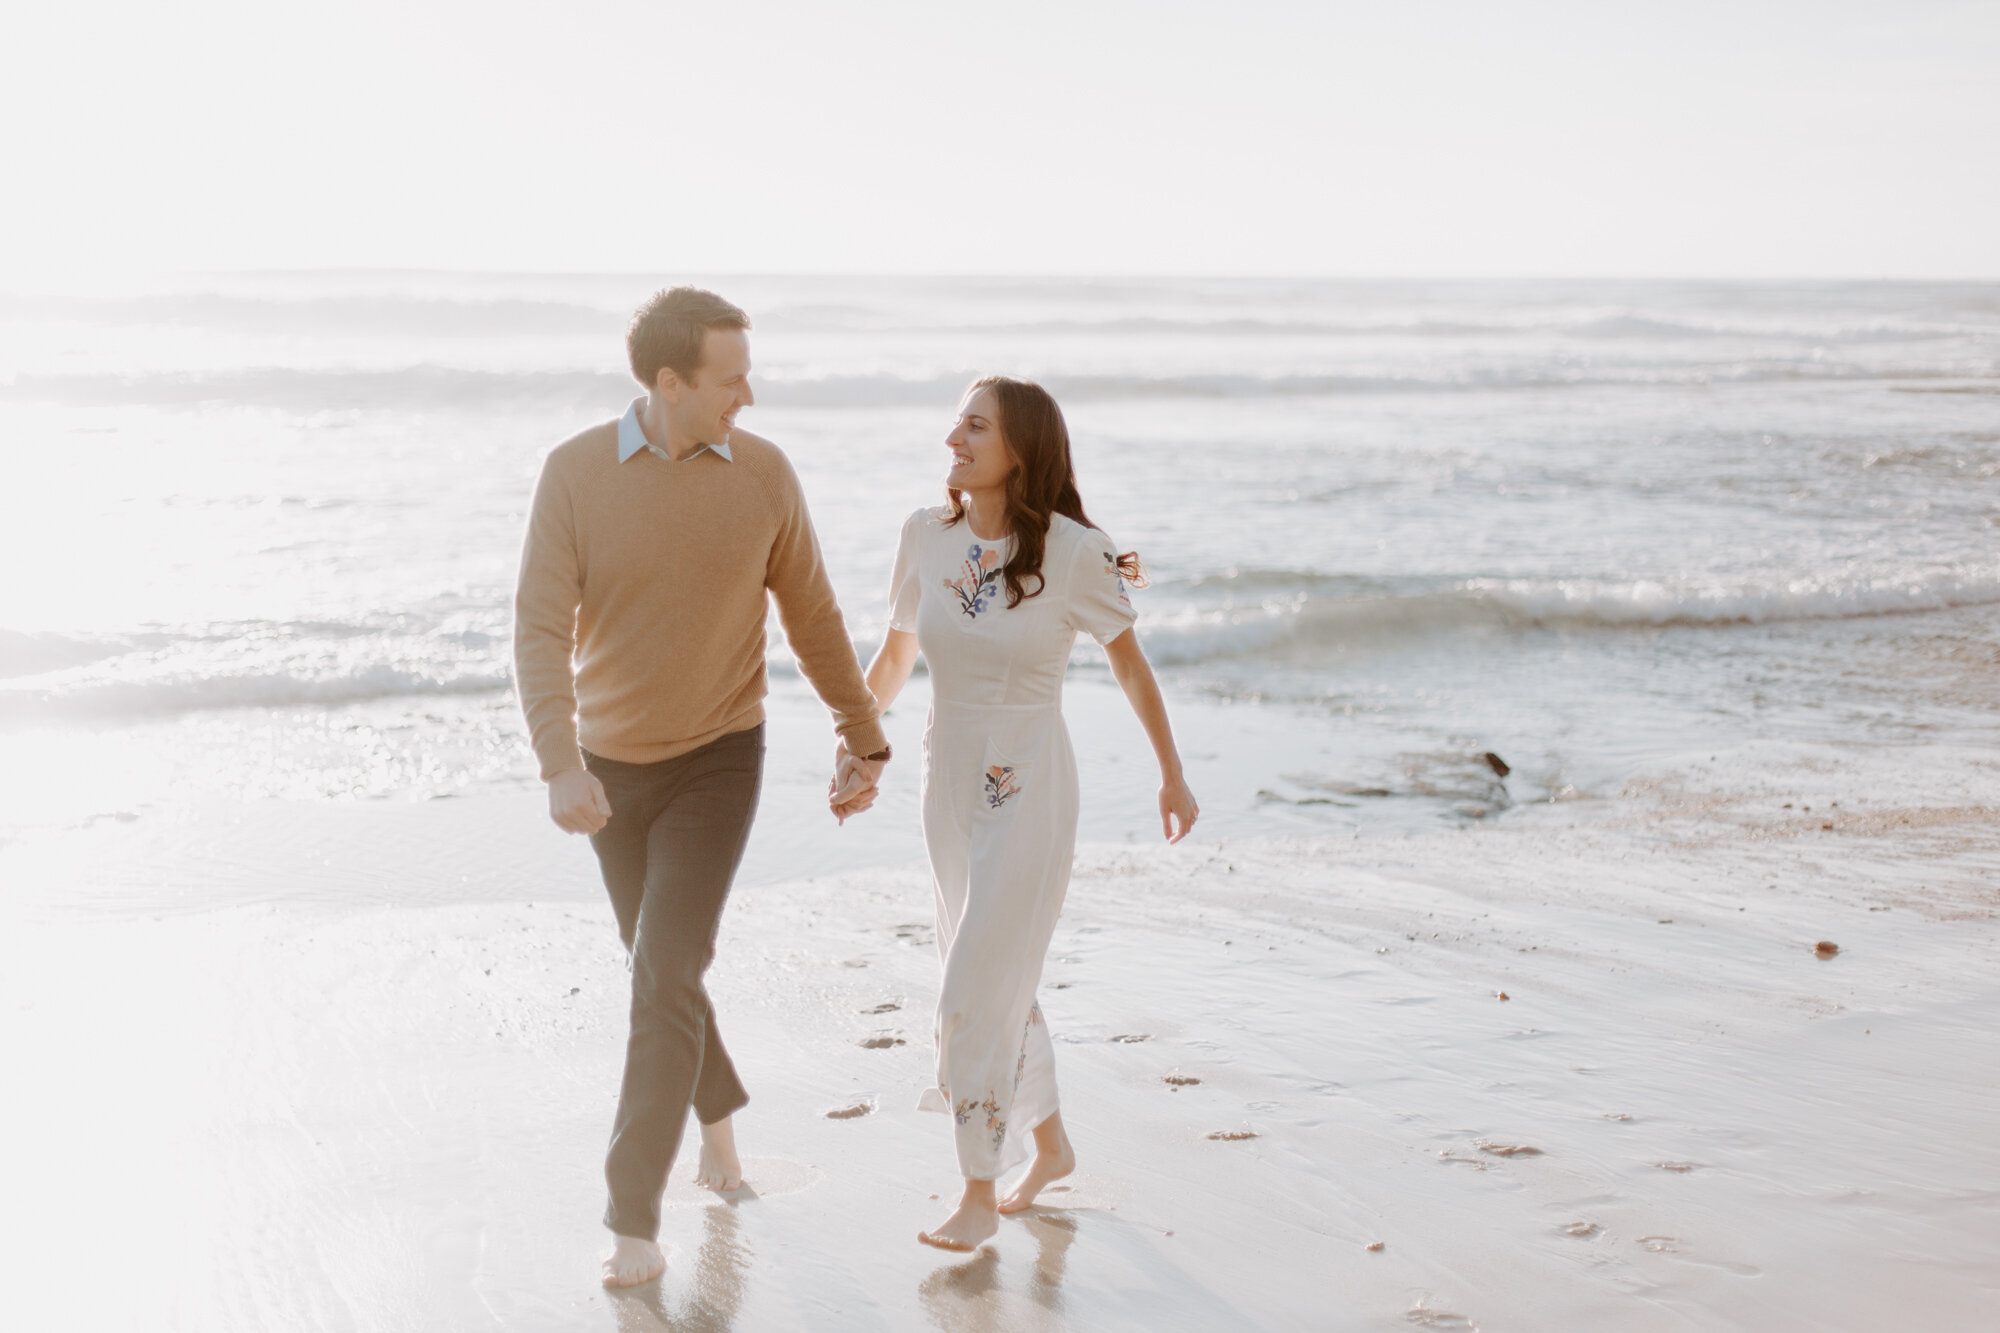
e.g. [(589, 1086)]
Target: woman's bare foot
[(973, 1221), (719, 1168), (633, 1261), (1054, 1159)]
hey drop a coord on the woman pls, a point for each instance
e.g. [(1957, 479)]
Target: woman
[(992, 588)]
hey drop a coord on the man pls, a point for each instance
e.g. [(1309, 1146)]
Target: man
[(639, 652)]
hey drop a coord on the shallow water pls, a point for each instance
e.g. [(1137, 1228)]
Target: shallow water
[(264, 528)]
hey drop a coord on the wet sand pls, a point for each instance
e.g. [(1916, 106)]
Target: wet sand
[(351, 1067)]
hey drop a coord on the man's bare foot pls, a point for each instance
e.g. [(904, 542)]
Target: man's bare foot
[(973, 1221), (719, 1168), (1054, 1159), (633, 1261)]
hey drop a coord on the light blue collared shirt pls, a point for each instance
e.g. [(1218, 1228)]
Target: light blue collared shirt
[(632, 438)]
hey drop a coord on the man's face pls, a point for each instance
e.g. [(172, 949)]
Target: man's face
[(705, 406)]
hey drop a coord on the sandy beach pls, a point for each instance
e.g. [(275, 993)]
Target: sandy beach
[(302, 1065)]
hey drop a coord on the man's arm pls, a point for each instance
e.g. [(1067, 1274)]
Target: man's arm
[(545, 604), (797, 578)]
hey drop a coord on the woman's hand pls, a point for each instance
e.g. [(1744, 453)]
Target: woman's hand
[(855, 783), (1177, 804), (1134, 675)]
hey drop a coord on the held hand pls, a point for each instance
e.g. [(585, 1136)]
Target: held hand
[(854, 786), (1177, 803), (577, 802)]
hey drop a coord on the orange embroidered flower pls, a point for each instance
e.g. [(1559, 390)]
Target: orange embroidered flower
[(1001, 786)]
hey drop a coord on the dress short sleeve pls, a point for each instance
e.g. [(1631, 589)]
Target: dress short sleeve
[(905, 583), (1098, 603)]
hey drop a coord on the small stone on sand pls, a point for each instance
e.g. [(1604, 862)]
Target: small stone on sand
[(1501, 994), (849, 1112), (1129, 1037), (1233, 1135), (880, 1043), (1826, 948), (1182, 1080), (1374, 1245)]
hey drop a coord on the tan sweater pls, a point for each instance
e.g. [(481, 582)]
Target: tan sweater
[(639, 619)]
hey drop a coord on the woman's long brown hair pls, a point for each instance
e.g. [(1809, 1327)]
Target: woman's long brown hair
[(1042, 483)]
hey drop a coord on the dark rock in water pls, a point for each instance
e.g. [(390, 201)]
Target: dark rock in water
[(1497, 764)]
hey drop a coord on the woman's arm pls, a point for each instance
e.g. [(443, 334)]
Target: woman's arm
[(855, 778), (1134, 675), (890, 671)]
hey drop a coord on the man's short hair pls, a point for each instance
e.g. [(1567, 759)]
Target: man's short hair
[(667, 332)]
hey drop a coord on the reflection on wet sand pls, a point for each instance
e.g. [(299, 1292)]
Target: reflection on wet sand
[(971, 1297), (961, 1297), (715, 1290), (1054, 1233)]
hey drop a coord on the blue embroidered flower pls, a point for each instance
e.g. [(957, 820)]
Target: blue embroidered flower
[(1111, 568), (981, 580)]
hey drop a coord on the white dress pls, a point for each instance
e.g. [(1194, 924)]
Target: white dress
[(999, 805)]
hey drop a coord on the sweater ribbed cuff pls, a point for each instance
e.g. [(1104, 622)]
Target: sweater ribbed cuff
[(864, 738), (557, 759)]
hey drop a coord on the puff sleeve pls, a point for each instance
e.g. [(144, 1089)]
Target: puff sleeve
[(1098, 602), (905, 582)]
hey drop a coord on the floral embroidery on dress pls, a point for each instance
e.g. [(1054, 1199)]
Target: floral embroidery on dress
[(1111, 568), (1001, 786), (980, 582), (996, 1124)]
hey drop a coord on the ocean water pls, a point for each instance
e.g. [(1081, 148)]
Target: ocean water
[(260, 531)]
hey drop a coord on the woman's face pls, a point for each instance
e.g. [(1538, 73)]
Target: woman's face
[(979, 457)]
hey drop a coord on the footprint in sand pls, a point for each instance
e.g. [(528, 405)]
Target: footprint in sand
[(1682, 1167), (1580, 1229), (763, 1177), (1506, 1149), (886, 1007)]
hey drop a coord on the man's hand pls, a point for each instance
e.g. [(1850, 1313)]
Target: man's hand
[(577, 802), (854, 786)]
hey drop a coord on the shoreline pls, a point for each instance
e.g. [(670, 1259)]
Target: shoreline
[(371, 1068)]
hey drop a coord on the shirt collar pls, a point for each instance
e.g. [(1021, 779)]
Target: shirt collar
[(632, 438)]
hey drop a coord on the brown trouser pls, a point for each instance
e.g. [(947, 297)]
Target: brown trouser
[(669, 851)]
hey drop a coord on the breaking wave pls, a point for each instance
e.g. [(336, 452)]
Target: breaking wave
[(420, 388), (1272, 612)]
